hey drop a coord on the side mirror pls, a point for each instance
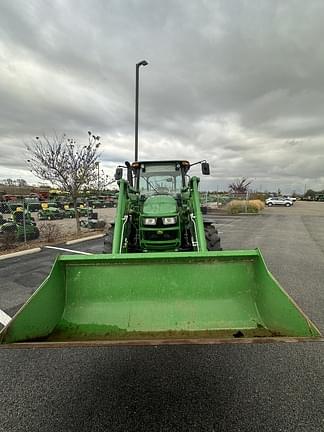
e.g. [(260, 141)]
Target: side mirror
[(205, 168), (118, 173)]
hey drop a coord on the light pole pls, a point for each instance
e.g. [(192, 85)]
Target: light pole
[(138, 65)]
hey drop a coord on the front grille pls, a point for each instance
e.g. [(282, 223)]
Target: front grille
[(169, 235)]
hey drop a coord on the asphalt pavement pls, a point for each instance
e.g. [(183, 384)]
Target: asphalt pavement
[(273, 387)]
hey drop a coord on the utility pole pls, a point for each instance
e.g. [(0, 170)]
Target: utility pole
[(138, 65)]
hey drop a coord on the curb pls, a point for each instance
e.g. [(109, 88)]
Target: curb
[(20, 253), (249, 214), (83, 239)]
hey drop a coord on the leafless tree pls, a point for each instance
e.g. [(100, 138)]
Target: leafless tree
[(102, 182), (240, 185), (65, 163)]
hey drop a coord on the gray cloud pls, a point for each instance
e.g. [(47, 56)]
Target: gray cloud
[(237, 82)]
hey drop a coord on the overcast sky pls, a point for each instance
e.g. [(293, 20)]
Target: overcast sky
[(239, 83)]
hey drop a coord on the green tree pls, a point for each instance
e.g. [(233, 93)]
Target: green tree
[(310, 193), (240, 185)]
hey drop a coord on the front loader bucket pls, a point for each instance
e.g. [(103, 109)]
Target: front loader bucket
[(210, 297)]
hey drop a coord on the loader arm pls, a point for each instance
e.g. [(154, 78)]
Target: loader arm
[(197, 216), (120, 215)]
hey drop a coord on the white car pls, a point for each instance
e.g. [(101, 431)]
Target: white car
[(278, 201), (293, 199)]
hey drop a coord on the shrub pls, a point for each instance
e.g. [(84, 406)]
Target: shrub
[(50, 231), (8, 239), (242, 206)]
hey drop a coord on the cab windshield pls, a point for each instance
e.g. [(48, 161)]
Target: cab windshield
[(160, 179)]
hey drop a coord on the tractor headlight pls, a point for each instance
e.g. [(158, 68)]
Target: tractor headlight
[(169, 220), (149, 221)]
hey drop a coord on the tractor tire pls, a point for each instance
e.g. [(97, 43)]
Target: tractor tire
[(212, 238), (108, 241)]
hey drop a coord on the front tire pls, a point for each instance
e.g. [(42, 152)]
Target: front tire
[(212, 238), (287, 205)]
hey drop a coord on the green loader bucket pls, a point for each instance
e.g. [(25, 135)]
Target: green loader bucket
[(158, 298)]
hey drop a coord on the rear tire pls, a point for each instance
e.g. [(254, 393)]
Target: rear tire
[(108, 240), (269, 204), (212, 238)]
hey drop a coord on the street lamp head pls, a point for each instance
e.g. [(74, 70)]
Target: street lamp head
[(142, 63)]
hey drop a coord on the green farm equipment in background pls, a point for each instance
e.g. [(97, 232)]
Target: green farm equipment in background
[(164, 280), (69, 212), (21, 226), (50, 213), (84, 211), (2, 219)]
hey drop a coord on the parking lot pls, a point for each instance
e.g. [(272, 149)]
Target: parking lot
[(273, 387)]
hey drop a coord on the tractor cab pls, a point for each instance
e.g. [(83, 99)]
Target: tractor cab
[(156, 178), (160, 185)]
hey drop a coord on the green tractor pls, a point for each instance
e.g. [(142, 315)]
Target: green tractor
[(159, 210), (21, 226), (50, 213), (166, 280)]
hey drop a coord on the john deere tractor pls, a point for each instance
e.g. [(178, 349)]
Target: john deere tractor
[(173, 291), (159, 210)]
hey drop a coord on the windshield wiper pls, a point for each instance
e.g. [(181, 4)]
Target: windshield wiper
[(150, 184)]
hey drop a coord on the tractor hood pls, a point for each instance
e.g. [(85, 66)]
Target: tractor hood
[(159, 205)]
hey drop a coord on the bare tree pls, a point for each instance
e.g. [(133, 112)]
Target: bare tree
[(101, 182), (65, 163), (240, 185)]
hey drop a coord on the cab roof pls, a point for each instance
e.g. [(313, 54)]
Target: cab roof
[(181, 162)]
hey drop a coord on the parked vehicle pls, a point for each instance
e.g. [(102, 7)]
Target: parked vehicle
[(2, 219), (32, 203), (20, 225), (293, 199), (95, 203), (69, 213), (279, 201), (92, 222), (50, 213), (84, 211)]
